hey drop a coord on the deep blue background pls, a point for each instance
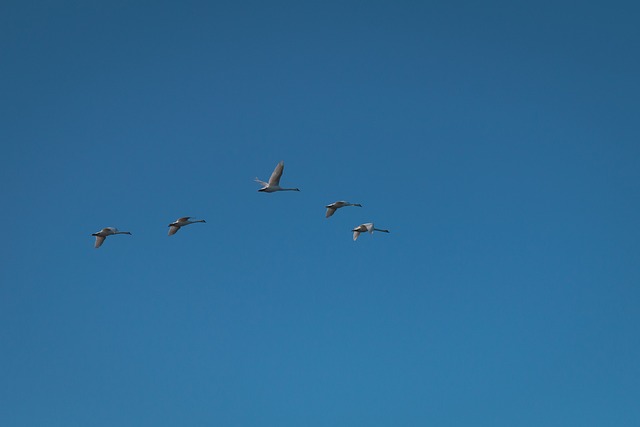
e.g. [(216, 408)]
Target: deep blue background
[(498, 141)]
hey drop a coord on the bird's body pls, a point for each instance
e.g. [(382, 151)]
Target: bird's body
[(274, 181), (331, 209), (107, 231), (364, 228), (181, 222)]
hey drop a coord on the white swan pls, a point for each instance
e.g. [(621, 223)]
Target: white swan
[(274, 181), (331, 209), (181, 222), (365, 227), (107, 231)]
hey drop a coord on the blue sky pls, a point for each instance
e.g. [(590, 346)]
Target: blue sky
[(498, 141)]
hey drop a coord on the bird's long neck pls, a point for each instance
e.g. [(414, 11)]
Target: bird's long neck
[(122, 232), (289, 189), (379, 229)]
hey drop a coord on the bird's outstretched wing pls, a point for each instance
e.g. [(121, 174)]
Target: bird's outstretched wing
[(99, 241), (173, 229), (277, 174)]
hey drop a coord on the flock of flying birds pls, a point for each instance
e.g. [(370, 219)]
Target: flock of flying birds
[(267, 187)]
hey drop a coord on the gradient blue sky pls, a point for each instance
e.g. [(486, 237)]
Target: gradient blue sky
[(498, 141)]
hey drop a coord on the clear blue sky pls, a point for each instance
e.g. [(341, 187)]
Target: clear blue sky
[(498, 141)]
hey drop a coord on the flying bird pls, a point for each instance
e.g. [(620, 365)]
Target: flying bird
[(107, 231), (365, 227), (274, 181), (181, 222), (331, 209)]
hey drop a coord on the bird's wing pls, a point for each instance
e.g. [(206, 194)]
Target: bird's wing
[(183, 219), (277, 174), (259, 181), (173, 229), (369, 227), (99, 241), (356, 233), (330, 211)]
